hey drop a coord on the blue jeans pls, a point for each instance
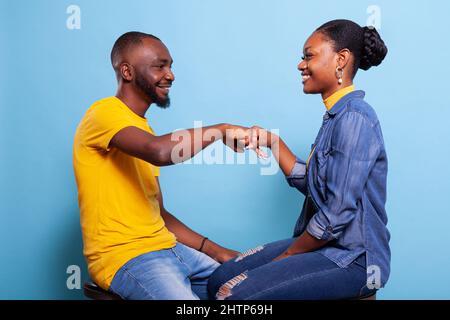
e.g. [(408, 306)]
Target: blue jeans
[(309, 276), (179, 273)]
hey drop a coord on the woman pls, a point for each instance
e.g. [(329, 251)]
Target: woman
[(340, 247)]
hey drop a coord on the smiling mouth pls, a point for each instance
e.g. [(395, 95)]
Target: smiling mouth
[(305, 77), (165, 88)]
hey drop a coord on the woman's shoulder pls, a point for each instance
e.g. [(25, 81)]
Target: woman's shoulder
[(362, 107)]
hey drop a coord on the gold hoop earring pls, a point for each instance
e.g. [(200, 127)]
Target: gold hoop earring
[(339, 74)]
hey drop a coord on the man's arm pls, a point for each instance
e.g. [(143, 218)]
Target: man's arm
[(170, 148), (192, 239)]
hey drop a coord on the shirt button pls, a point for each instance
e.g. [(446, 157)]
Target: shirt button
[(329, 228)]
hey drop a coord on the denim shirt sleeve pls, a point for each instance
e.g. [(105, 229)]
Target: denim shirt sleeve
[(297, 177), (354, 150)]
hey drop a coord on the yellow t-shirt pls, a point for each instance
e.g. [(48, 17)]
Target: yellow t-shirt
[(117, 193)]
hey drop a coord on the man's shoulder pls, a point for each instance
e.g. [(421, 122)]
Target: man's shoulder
[(100, 115), (106, 109), (111, 103)]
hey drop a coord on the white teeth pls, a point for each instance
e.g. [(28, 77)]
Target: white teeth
[(165, 89), (305, 77)]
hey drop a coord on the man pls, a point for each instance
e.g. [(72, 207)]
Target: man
[(134, 247)]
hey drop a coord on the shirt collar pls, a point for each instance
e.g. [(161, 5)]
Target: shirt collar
[(339, 105), (335, 97)]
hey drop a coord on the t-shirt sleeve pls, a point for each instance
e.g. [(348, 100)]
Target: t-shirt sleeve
[(155, 171), (102, 123)]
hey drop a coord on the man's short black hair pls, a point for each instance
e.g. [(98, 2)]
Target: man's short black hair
[(126, 41)]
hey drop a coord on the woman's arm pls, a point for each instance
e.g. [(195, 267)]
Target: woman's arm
[(355, 148), (286, 159), (304, 243)]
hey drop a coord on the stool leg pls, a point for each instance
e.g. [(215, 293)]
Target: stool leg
[(372, 297)]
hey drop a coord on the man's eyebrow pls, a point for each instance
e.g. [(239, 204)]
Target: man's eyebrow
[(166, 61)]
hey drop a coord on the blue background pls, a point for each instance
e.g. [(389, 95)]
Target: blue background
[(235, 61)]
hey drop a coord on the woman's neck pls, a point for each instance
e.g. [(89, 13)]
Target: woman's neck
[(335, 88)]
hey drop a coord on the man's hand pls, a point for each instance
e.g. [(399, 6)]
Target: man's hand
[(225, 255), (236, 137), (260, 137), (218, 253), (240, 138)]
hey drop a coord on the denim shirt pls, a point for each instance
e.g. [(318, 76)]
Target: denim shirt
[(345, 187)]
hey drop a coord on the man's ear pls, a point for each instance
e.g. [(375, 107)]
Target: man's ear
[(343, 58), (126, 72)]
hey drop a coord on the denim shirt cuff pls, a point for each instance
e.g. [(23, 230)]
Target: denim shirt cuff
[(298, 171), (320, 230)]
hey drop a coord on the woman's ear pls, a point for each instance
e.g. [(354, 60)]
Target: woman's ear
[(343, 58)]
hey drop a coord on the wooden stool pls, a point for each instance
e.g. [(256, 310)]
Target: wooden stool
[(93, 291), (371, 296)]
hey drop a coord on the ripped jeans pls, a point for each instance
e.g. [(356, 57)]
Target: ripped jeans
[(309, 276)]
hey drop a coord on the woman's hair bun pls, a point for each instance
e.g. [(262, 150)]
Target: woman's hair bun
[(373, 49)]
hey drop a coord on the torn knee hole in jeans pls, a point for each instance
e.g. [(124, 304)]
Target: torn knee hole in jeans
[(248, 253), (225, 290)]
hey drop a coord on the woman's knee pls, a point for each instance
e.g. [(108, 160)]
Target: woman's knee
[(226, 287), (218, 277)]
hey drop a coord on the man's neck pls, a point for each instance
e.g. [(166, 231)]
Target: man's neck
[(133, 100)]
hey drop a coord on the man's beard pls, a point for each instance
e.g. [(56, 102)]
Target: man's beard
[(150, 91)]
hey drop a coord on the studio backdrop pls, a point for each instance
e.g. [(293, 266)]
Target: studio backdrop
[(234, 61)]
